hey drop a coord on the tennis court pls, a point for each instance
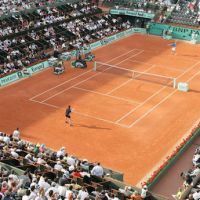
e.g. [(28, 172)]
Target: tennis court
[(118, 92), (127, 113)]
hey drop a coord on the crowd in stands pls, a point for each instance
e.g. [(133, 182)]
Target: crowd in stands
[(150, 6), (49, 175), (30, 37), (27, 38), (19, 5), (186, 12), (190, 179)]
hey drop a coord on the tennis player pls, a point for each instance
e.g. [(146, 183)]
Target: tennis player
[(68, 115), (173, 45)]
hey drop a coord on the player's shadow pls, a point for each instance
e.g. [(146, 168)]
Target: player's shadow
[(91, 126), (24, 136)]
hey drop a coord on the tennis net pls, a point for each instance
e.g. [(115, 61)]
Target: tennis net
[(116, 70)]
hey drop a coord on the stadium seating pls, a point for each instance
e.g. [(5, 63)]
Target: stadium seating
[(138, 5), (24, 165), (191, 184), (186, 13), (10, 6), (27, 38)]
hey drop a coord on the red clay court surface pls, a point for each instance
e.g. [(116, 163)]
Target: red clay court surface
[(128, 125)]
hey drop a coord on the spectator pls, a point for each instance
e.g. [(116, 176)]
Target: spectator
[(41, 195), (62, 190), (76, 173), (16, 134), (127, 191), (196, 158), (27, 195), (52, 195), (61, 152), (97, 170), (43, 183), (196, 195), (25, 179), (195, 172), (178, 195), (13, 153), (136, 196), (83, 194), (71, 160), (69, 195), (144, 193), (33, 193), (58, 166), (4, 187)]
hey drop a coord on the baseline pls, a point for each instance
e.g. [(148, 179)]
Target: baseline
[(82, 114), (177, 55)]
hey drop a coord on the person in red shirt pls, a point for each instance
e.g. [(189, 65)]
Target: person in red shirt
[(4, 187), (76, 173)]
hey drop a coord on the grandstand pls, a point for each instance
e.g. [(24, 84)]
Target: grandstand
[(135, 104)]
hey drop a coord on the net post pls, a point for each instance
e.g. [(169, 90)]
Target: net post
[(174, 83), (95, 66)]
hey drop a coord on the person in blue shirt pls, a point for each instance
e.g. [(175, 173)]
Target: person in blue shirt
[(173, 45)]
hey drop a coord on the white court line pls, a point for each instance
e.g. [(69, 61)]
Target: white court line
[(158, 65), (150, 97), (100, 119), (131, 111), (135, 71), (168, 96), (86, 115), (126, 126), (137, 61), (96, 74), (123, 84), (78, 76), (107, 95), (82, 114), (178, 70), (176, 56), (150, 110), (198, 73), (46, 104)]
